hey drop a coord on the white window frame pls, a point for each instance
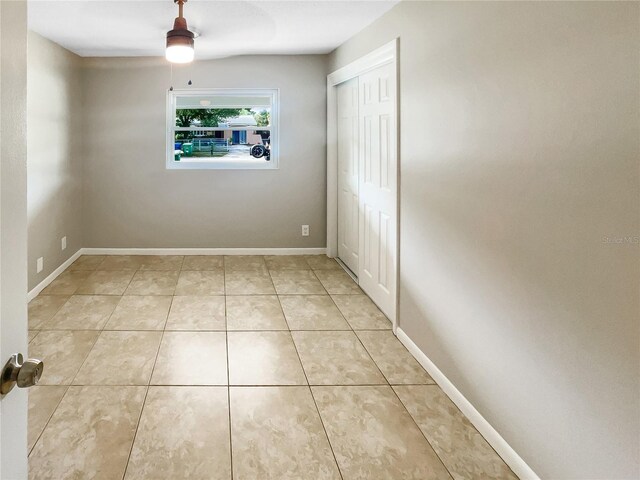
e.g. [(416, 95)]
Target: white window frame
[(221, 164)]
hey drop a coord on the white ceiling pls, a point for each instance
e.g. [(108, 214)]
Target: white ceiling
[(138, 28)]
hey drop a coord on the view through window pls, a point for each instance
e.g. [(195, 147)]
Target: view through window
[(219, 128)]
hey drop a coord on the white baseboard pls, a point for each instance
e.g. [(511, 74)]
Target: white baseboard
[(499, 444), (204, 251), (43, 284)]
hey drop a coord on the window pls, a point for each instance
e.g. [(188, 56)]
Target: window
[(222, 128)]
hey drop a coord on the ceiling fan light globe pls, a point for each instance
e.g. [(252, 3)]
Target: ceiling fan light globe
[(179, 46), (179, 53)]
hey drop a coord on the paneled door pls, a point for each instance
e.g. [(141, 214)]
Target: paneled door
[(347, 97), (377, 189)]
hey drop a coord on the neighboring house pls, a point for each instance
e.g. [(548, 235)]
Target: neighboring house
[(240, 137), (237, 137)]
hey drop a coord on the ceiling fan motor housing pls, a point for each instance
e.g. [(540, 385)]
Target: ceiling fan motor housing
[(180, 35)]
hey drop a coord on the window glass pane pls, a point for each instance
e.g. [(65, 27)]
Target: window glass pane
[(223, 128), (227, 144), (223, 117), (223, 101)]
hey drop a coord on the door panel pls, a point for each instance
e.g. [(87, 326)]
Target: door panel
[(348, 222), (13, 230), (378, 187)]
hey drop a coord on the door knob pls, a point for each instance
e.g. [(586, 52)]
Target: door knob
[(24, 374)]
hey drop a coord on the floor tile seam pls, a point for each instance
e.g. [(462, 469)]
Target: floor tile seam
[(359, 340), (316, 405), (226, 339), (319, 280), (343, 315), (371, 358), (34, 337), (239, 385), (284, 314), (314, 275), (115, 308), (84, 361), (290, 330), (107, 294), (405, 349), (473, 427), (135, 433), (320, 295), (415, 422), (54, 313), (50, 416), (212, 269), (144, 402), (133, 329), (274, 288)]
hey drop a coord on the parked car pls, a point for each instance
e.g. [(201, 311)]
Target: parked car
[(264, 149)]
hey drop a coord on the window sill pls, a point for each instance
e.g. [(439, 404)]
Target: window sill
[(215, 164)]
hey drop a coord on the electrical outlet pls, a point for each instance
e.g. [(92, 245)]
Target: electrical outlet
[(64, 243), (39, 264), (305, 230)]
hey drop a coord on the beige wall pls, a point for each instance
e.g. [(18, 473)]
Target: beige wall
[(520, 153), (54, 160), (132, 200)]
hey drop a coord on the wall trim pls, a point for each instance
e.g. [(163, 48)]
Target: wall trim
[(33, 293), (499, 444), (204, 251)]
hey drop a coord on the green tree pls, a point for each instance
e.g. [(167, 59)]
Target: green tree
[(263, 118), (208, 117)]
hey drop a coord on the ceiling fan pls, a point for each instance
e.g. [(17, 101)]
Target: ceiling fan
[(180, 40)]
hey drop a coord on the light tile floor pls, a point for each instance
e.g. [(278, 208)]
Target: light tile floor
[(243, 367)]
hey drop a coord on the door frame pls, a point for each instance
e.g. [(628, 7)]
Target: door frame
[(387, 53)]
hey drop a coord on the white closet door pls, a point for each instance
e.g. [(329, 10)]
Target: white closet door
[(378, 187), (347, 97)]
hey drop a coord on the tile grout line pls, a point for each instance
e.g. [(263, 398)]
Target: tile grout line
[(422, 433), (387, 385), (314, 400), (49, 319), (85, 358), (335, 459), (75, 375), (50, 416), (203, 330), (362, 344), (135, 434), (371, 358), (121, 295), (248, 385), (144, 401), (100, 330), (392, 389), (226, 338)]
